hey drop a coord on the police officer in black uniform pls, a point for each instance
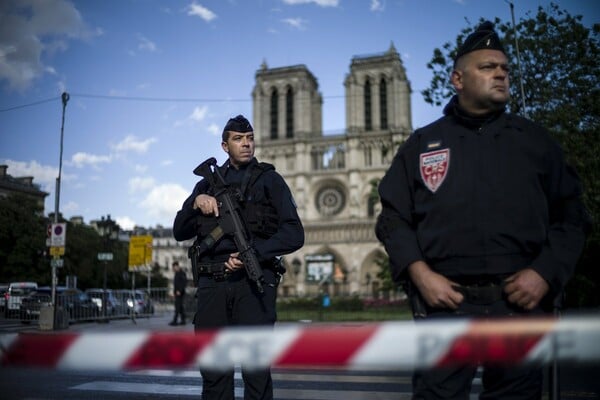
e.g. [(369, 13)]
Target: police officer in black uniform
[(482, 216), (179, 285), (226, 296)]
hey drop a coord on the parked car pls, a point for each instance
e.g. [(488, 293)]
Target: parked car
[(75, 303), (3, 290), (115, 306), (15, 294), (138, 302)]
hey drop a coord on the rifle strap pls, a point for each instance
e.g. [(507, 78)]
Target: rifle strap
[(253, 173)]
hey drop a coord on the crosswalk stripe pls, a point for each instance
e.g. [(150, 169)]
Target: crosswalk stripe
[(195, 390), (288, 376)]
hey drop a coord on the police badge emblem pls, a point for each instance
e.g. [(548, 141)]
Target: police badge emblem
[(434, 168)]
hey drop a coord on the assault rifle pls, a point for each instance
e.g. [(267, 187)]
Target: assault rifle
[(230, 222)]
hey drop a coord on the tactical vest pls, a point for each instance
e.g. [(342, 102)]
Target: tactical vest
[(261, 217)]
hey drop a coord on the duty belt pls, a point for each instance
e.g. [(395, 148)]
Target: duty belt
[(481, 294), (214, 269)]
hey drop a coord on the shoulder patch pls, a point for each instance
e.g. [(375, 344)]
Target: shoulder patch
[(434, 167)]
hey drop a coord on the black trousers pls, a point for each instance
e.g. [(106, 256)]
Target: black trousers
[(523, 382), (236, 302), (179, 310)]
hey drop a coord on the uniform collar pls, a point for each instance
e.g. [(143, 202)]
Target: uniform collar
[(453, 109)]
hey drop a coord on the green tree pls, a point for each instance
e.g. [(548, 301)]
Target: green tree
[(561, 86), (23, 232)]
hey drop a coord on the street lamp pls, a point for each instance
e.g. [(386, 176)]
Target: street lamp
[(108, 230)]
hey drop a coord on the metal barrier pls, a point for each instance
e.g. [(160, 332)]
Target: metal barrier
[(75, 305), (398, 345)]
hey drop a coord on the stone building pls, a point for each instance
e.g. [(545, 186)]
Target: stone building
[(333, 177), (20, 185)]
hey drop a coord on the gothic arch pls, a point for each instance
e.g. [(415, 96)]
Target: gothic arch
[(369, 283), (273, 113), (289, 111), (339, 282)]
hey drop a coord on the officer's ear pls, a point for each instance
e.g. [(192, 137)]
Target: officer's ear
[(225, 147), (456, 78)]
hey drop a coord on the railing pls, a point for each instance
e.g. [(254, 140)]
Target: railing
[(95, 304)]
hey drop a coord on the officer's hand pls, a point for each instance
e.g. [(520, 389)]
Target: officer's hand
[(233, 263), (526, 288), (436, 289), (206, 204)]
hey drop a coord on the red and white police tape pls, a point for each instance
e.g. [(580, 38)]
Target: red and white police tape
[(398, 345)]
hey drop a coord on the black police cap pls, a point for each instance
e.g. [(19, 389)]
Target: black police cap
[(484, 37), (237, 124)]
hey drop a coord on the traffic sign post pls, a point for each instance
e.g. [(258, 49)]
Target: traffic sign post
[(105, 256), (57, 251), (140, 257), (58, 235), (140, 252)]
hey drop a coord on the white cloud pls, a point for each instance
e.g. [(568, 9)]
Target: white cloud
[(42, 174), (321, 3), (132, 143), (297, 23), (81, 159), (199, 10), (70, 208), (198, 115), (163, 201), (28, 30), (140, 184), (376, 5), (117, 93), (140, 169), (125, 223), (214, 129), (146, 44)]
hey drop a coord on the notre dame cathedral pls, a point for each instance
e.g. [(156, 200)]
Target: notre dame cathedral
[(333, 177)]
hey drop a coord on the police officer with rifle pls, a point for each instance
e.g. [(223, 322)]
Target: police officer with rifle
[(244, 219)]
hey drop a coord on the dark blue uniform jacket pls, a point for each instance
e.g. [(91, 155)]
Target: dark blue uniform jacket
[(269, 187), (485, 199)]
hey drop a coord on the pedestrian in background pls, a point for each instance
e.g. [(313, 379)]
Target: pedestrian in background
[(226, 295), (482, 217), (179, 285)]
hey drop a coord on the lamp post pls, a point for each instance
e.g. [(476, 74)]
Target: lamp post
[(108, 230), (65, 99)]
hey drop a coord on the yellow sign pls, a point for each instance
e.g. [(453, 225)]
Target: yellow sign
[(57, 251), (140, 252)]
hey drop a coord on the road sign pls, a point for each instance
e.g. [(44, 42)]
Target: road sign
[(140, 252), (58, 235), (105, 256), (56, 262), (57, 251)]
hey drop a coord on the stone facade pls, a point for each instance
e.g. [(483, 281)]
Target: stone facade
[(333, 177), (20, 185)]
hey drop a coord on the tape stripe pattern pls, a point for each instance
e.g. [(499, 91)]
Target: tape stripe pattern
[(400, 345)]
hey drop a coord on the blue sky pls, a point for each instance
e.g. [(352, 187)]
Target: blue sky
[(153, 82)]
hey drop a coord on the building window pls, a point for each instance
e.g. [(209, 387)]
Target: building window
[(368, 156), (371, 203), (383, 104), (274, 114), (368, 120), (289, 113)]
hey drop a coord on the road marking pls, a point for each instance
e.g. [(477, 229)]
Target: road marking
[(287, 376), (195, 390)]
